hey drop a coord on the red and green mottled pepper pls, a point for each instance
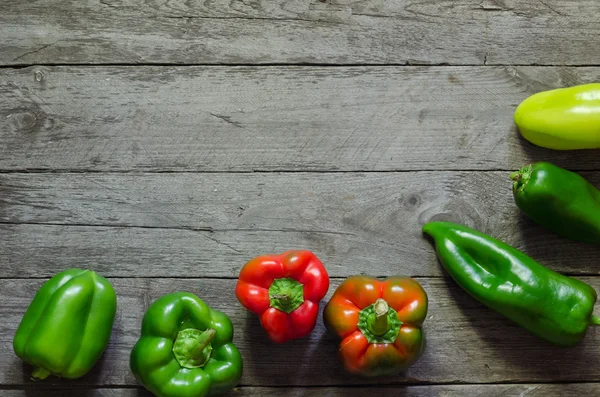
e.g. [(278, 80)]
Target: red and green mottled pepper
[(379, 323)]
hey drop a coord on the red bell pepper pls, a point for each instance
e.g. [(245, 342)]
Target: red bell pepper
[(285, 291)]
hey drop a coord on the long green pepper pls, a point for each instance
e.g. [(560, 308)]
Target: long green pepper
[(552, 306)]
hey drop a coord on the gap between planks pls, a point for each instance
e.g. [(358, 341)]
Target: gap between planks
[(262, 171), (339, 278), (67, 387), (295, 65)]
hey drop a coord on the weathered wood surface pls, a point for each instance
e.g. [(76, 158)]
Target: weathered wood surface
[(274, 118), (474, 32), (522, 390), (209, 225), (145, 173), (466, 342)]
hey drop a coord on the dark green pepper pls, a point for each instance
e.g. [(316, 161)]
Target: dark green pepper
[(67, 325), (560, 200), (552, 306), (186, 349)]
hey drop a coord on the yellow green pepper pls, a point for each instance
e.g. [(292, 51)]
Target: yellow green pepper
[(563, 118)]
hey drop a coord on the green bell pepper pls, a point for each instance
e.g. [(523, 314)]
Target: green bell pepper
[(68, 324), (185, 349), (563, 118), (562, 201), (550, 305)]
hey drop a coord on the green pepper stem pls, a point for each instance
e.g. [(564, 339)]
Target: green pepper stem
[(203, 341), (380, 324), (594, 320), (192, 347), (516, 176), (40, 373)]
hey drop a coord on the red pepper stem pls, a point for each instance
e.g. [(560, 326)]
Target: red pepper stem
[(594, 320), (286, 294), (380, 324), (202, 343), (285, 299)]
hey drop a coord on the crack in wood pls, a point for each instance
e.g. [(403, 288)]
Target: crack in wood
[(227, 119), (189, 17), (216, 240), (107, 4), (494, 6), (487, 6), (551, 8), (372, 15), (35, 51), (179, 226)]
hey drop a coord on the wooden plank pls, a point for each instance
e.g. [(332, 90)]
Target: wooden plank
[(466, 342), (201, 225), (428, 32), (529, 390), (273, 118), (109, 392)]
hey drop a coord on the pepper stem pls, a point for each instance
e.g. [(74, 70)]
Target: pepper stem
[(40, 373), (202, 342), (286, 294), (380, 324), (594, 320), (192, 347), (516, 176), (521, 177), (284, 299)]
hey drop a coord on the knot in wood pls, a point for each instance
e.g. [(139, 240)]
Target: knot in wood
[(23, 121), (38, 76)]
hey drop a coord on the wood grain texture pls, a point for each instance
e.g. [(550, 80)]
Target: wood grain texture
[(427, 32), (273, 118), (521, 390), (466, 342), (146, 173), (209, 225)]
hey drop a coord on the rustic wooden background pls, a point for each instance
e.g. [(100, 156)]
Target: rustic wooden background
[(163, 143)]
